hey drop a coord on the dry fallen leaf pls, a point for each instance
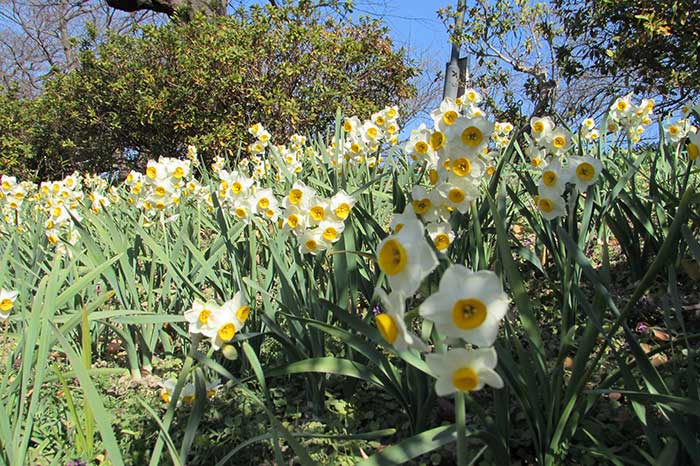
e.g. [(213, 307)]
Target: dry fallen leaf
[(659, 334)]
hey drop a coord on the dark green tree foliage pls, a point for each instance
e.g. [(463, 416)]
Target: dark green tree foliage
[(205, 82), (17, 117), (655, 44)]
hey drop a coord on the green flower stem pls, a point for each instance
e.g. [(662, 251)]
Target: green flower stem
[(460, 418)]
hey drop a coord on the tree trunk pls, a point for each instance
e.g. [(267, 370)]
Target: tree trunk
[(178, 10)]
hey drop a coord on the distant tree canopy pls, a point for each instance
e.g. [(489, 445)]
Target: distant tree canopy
[(655, 44), (204, 82)]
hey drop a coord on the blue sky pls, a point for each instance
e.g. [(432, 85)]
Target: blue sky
[(413, 23)]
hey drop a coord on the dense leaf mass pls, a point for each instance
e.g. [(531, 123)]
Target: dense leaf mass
[(654, 43)]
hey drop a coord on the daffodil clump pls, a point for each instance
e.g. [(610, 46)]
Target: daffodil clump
[(101, 195), (162, 187), (455, 154), (218, 322), (549, 153), (363, 139), (466, 309), (316, 221), (468, 306), (7, 302), (167, 387), (242, 196), (12, 196), (631, 118), (62, 202), (589, 132)]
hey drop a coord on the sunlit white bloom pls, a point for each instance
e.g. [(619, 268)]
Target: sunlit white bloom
[(341, 204), (406, 258), (331, 230), (227, 321), (391, 322), (467, 305), (464, 370), (550, 204), (468, 136), (554, 177), (446, 114), (559, 141), (441, 234), (541, 128), (312, 242), (584, 171), (7, 302), (677, 131), (199, 315)]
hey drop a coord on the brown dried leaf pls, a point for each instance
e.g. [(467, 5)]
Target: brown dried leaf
[(659, 334)]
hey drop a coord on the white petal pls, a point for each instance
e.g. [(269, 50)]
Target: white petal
[(490, 377), (444, 386)]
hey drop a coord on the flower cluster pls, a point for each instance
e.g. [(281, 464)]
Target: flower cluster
[(316, 221), (548, 153), (501, 133), (468, 307), (61, 201), (218, 322), (589, 132), (363, 138), (12, 196), (101, 195), (240, 195), (187, 394), (630, 117), (452, 152), (162, 186)]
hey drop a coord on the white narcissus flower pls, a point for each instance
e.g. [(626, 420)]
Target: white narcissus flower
[(167, 388), (694, 147), (467, 305), (554, 177), (585, 171), (421, 202), (464, 370), (406, 257), (331, 230), (227, 321), (468, 136), (446, 115), (391, 323), (550, 204), (441, 234), (559, 141), (541, 128), (398, 220), (311, 242), (7, 301), (199, 315)]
